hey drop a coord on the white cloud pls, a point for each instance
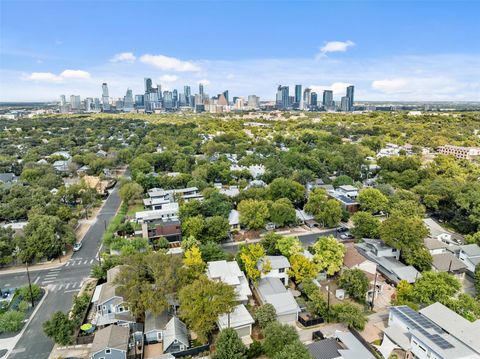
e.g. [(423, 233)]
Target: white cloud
[(335, 46), (169, 63), (123, 57), (42, 77), (168, 78), (338, 88), (204, 82), (52, 78), (75, 74)]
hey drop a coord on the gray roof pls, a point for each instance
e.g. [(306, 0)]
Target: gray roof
[(433, 243), (271, 290), (175, 330), (354, 348), (445, 262), (156, 322), (7, 177), (239, 317), (471, 250), (107, 292), (459, 327), (113, 337), (276, 262), (324, 349)]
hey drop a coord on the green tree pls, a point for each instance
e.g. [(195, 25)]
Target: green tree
[(253, 214), (477, 280), (229, 346), (372, 200), (130, 191), (302, 268), (45, 237), (434, 287), (286, 188), (289, 246), (11, 321), (25, 293), (147, 281), (139, 166), (277, 337), (349, 314), (355, 283), (282, 212), (328, 254), (366, 225), (265, 314), (202, 302), (466, 306), (473, 238), (325, 210), (295, 350), (212, 251), (60, 328), (193, 227), (269, 243), (250, 255), (216, 229), (193, 258), (7, 246)]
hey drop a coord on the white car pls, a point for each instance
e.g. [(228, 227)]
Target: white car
[(77, 246)]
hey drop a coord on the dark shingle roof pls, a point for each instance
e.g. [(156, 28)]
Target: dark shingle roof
[(324, 349)]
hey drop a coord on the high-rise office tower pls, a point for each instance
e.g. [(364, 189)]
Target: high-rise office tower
[(307, 97), (128, 101), (159, 92), (175, 98), (168, 100), (89, 104), (313, 100), (327, 99), (200, 89), (105, 98), (63, 100), (187, 93), (148, 85), (298, 96), (225, 93), (97, 105), (139, 101), (283, 97), (344, 104), (350, 90), (75, 102), (253, 101)]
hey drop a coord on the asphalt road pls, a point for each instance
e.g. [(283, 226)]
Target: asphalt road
[(62, 283)]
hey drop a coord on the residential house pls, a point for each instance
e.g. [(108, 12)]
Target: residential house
[(168, 211), (167, 329), (344, 345), (110, 306), (239, 319), (435, 246), (62, 166), (448, 262), (348, 191), (234, 220), (102, 153), (387, 260), (440, 233), (279, 266), (469, 254), (8, 178), (306, 218), (158, 197), (230, 273), (435, 332), (272, 290), (110, 342), (171, 230)]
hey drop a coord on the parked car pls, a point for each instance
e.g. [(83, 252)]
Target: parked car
[(77, 246), (342, 229), (347, 236)]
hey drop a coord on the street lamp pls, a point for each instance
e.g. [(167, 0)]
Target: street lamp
[(328, 304)]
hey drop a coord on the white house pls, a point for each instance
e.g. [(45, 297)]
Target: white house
[(279, 268), (230, 273), (469, 254), (349, 191), (169, 211), (240, 320), (271, 290)]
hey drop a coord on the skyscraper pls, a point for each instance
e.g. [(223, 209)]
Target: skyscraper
[(128, 101), (63, 100), (327, 99), (139, 102), (200, 89), (75, 102), (313, 100), (298, 96), (307, 97), (187, 94), (253, 101), (175, 98), (350, 90), (283, 97), (105, 98), (225, 93), (148, 85), (344, 104)]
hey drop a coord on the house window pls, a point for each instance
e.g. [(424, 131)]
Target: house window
[(121, 309), (107, 351), (281, 270)]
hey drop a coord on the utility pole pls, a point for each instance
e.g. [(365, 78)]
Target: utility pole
[(30, 285), (328, 304), (374, 290)]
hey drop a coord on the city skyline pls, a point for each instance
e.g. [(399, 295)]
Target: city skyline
[(365, 43)]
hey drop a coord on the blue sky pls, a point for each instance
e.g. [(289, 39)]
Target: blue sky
[(391, 50)]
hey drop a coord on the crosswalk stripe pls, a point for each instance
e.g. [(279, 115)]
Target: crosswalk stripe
[(67, 285), (68, 263), (86, 261), (91, 261)]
